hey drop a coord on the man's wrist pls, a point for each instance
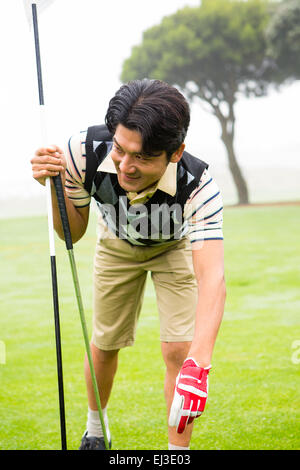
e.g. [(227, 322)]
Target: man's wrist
[(200, 360)]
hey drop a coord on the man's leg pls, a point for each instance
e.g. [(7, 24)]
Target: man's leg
[(105, 364), (174, 355), (118, 289)]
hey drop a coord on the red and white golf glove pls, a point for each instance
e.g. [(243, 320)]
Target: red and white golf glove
[(190, 394)]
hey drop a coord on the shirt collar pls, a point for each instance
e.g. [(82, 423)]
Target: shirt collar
[(167, 183)]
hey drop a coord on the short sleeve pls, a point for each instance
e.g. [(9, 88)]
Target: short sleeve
[(204, 211), (75, 173)]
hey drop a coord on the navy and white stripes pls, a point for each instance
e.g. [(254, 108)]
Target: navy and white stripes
[(204, 211)]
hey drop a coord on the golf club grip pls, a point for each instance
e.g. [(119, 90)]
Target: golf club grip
[(63, 211)]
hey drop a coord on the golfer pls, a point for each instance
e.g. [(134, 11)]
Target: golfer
[(160, 211)]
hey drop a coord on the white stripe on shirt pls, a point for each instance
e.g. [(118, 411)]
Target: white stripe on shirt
[(75, 154), (204, 211)]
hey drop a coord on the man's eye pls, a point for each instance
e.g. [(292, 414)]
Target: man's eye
[(117, 149), (144, 158)]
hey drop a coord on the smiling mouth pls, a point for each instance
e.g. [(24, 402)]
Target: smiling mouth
[(129, 177)]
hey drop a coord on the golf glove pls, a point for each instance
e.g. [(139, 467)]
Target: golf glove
[(190, 394)]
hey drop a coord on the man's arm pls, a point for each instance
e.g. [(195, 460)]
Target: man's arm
[(49, 162), (208, 264), (78, 217), (191, 387)]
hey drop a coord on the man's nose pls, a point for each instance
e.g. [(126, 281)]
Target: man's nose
[(127, 164)]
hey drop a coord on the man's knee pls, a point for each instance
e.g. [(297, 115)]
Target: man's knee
[(104, 357), (174, 354)]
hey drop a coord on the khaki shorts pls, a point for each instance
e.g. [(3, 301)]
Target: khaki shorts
[(120, 273)]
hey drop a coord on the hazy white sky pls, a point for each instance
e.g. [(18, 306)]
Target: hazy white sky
[(83, 45)]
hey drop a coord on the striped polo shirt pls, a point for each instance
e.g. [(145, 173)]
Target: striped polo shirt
[(203, 211)]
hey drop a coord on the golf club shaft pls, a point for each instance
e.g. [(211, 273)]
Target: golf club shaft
[(69, 246), (58, 354), (51, 241)]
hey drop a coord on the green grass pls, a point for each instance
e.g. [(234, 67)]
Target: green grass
[(254, 384)]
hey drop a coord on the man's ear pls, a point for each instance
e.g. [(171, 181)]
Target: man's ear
[(176, 156)]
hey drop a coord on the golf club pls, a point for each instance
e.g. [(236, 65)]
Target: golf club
[(69, 246), (51, 237)]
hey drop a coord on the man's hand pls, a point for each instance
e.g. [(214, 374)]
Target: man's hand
[(190, 394), (47, 162)]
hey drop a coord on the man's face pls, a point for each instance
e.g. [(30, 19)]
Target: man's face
[(135, 170)]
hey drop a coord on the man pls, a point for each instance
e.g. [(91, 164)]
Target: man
[(160, 211)]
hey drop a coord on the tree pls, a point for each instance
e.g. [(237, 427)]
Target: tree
[(214, 52), (283, 39)]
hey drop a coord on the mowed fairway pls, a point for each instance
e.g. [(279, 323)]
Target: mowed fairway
[(254, 383)]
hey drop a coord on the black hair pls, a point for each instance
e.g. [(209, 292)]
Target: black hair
[(155, 109)]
